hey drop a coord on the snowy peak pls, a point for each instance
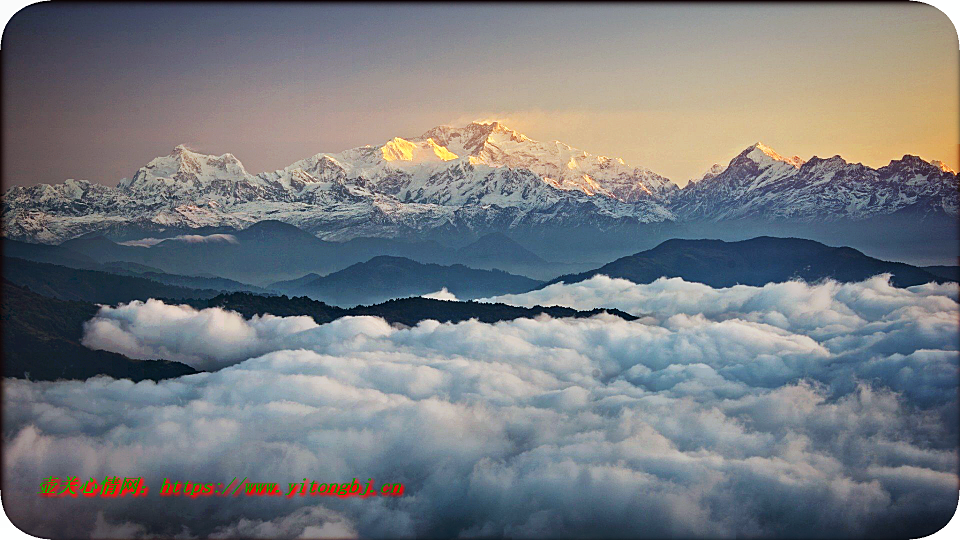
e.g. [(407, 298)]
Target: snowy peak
[(479, 177), (764, 156), (712, 172), (559, 165), (942, 166), (186, 160), (918, 165), (759, 182), (474, 138), (426, 151), (183, 166), (826, 165)]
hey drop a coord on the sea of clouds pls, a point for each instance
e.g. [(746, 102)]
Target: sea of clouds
[(785, 410)]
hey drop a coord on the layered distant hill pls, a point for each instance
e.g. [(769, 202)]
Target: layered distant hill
[(756, 262), (458, 184), (91, 285), (384, 278), (376, 280), (269, 251), (101, 248)]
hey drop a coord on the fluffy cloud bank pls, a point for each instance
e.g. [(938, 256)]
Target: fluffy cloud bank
[(782, 410), (207, 339)]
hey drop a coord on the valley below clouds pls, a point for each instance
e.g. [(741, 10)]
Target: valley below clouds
[(825, 409)]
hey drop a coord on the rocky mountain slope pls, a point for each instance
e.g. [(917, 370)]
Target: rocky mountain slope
[(759, 183)]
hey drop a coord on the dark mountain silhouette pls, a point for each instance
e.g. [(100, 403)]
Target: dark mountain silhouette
[(270, 251), (427, 251), (951, 273), (384, 277), (494, 247), (753, 262), (410, 311), (291, 285), (48, 254), (102, 249), (499, 251), (197, 282), (64, 256), (41, 341), (91, 285), (407, 311), (265, 251)]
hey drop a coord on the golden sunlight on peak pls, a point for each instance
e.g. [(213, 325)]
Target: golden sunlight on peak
[(796, 161), (591, 186), (398, 149), (942, 166), (441, 151)]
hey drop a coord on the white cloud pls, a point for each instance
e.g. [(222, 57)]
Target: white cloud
[(442, 294), (206, 339), (188, 238), (774, 411)]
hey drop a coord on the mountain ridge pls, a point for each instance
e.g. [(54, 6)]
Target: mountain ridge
[(386, 277), (754, 262), (472, 180)]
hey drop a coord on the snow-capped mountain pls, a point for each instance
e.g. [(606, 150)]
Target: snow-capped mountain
[(558, 164), (479, 178), (487, 179), (714, 170), (759, 183)]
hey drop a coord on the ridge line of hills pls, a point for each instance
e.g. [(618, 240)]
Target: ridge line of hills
[(714, 262), (758, 261)]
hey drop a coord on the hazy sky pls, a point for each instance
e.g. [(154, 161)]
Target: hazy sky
[(95, 92)]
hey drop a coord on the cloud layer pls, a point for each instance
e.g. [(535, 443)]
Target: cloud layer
[(218, 238), (758, 411)]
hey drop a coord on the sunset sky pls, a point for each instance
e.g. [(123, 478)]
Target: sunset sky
[(96, 92)]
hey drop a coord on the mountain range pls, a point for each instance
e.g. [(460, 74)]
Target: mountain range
[(59, 272), (271, 251), (455, 185), (66, 283), (86, 269)]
